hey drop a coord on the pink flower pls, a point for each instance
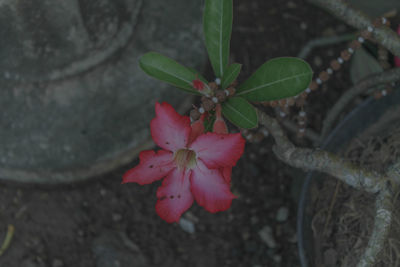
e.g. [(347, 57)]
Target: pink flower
[(397, 59), (193, 164)]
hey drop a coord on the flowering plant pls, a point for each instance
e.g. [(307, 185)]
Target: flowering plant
[(195, 160), (198, 154)]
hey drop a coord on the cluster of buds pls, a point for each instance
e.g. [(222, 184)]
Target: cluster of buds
[(212, 95)]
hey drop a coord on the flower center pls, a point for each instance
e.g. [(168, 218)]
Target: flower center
[(185, 158)]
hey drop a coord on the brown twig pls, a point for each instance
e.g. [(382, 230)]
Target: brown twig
[(370, 82), (384, 35), (320, 160), (383, 219)]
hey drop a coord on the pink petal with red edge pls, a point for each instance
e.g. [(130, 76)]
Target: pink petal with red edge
[(174, 196), (170, 130), (153, 166), (197, 128), (210, 189), (227, 174), (219, 150)]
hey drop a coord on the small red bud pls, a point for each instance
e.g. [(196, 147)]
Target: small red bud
[(197, 84)]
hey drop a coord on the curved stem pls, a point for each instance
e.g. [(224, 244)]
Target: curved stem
[(383, 219), (384, 35), (320, 160), (372, 81)]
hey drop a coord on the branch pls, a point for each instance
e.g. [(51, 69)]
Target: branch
[(383, 218), (372, 81), (394, 171), (384, 35), (324, 41), (320, 160)]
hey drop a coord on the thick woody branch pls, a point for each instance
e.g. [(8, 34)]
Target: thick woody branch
[(320, 160), (383, 218), (384, 35), (360, 88)]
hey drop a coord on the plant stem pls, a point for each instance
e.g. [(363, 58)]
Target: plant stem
[(384, 35), (370, 82), (320, 160), (383, 218)]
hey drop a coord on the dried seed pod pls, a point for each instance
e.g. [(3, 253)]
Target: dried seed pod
[(291, 101), (378, 94), (301, 132), (213, 86), (313, 86), (300, 102), (345, 55), (208, 104), (366, 34), (324, 76), (377, 22), (257, 137), (231, 91), (335, 65), (195, 114), (273, 103), (355, 44), (265, 104), (220, 95)]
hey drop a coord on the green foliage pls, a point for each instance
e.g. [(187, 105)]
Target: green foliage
[(276, 79), (168, 70), (240, 112), (217, 28), (231, 74)]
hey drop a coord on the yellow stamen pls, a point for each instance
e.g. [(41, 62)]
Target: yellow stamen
[(185, 158)]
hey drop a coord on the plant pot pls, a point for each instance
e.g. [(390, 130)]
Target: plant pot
[(372, 119), (75, 103)]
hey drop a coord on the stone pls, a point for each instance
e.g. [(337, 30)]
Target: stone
[(267, 236), (282, 214), (187, 225), (75, 103), (115, 249)]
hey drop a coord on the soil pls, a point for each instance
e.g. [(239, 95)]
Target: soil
[(100, 221)]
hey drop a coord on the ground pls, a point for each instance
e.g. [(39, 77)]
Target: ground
[(92, 223)]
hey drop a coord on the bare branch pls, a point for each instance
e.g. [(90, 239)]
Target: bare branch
[(384, 35), (370, 82), (320, 160), (383, 218)]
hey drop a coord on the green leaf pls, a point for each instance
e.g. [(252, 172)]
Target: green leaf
[(198, 75), (240, 112), (231, 74), (168, 70), (217, 27), (276, 79)]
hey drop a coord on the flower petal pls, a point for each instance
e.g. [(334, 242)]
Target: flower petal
[(153, 166), (219, 150), (169, 129), (197, 128), (227, 174), (174, 196), (209, 189)]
